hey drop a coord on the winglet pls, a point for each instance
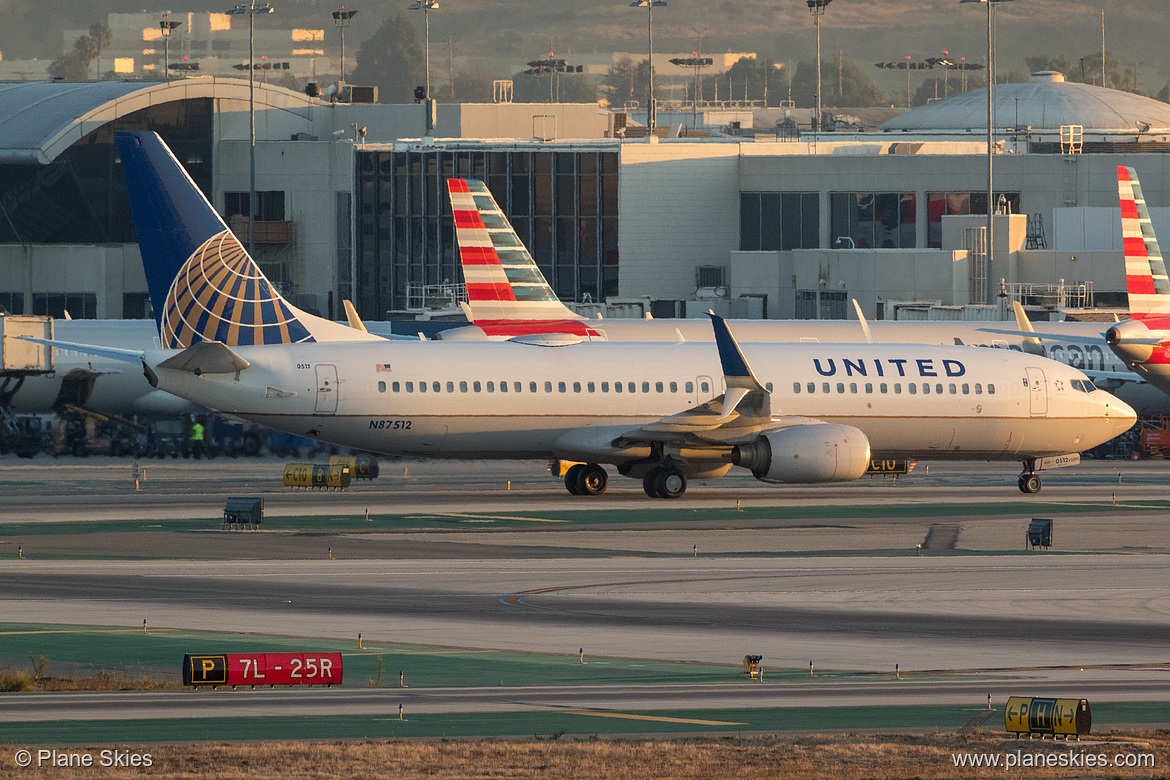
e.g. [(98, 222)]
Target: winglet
[(864, 324), (740, 379), (1031, 344), (352, 317)]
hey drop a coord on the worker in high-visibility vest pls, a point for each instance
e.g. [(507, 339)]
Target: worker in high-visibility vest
[(197, 439)]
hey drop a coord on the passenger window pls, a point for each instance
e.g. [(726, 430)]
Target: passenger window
[(706, 388), (674, 387), (658, 387), (868, 387), (953, 390), (991, 389), (450, 387), (853, 387), (517, 386), (897, 388), (617, 387), (645, 387), (912, 388), (632, 387), (825, 387), (548, 387), (462, 386), (966, 389), (690, 387), (796, 387), (883, 388), (978, 389), (475, 386), (491, 387), (437, 386), (926, 388), (840, 387), (394, 386), (410, 387), (532, 387), (576, 387), (938, 388), (605, 387), (503, 387), (768, 386), (381, 387), (591, 387), (812, 387), (561, 386), (422, 387)]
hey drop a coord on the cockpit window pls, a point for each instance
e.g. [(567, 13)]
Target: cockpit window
[(1084, 385)]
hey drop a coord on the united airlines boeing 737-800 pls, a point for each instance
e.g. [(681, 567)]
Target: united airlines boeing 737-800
[(663, 413)]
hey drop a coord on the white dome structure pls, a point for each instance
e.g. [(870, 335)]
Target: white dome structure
[(1041, 106)]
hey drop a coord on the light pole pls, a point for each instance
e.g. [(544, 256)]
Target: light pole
[(990, 140), (251, 10), (341, 18), (426, 6), (166, 25), (697, 62), (649, 5), (817, 9)]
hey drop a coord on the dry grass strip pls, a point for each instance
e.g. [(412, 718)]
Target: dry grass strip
[(786, 757)]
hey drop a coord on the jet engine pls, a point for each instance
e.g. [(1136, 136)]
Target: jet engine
[(822, 452), (1131, 341)]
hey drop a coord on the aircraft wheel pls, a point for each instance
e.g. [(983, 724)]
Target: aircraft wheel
[(670, 483), (650, 482), (573, 478), (592, 480), (1030, 483)]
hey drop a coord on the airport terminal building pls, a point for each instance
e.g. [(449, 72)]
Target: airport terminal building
[(750, 225)]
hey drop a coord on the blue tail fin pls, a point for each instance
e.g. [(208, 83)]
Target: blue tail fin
[(203, 285)]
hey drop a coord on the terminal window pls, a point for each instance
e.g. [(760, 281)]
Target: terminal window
[(778, 221), (11, 303), (81, 306), (941, 204), (872, 220)]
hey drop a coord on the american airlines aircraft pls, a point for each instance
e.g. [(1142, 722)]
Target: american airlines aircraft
[(662, 413), (508, 296), (1143, 341)]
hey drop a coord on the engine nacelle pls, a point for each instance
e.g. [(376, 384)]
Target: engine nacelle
[(1130, 341), (821, 452)]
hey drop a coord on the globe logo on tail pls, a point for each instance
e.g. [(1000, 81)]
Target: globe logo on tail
[(220, 294)]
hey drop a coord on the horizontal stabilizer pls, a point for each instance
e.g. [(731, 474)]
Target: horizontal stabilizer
[(113, 353), (206, 357)]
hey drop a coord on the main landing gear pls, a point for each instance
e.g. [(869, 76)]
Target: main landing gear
[(664, 482), (1030, 481), (586, 479)]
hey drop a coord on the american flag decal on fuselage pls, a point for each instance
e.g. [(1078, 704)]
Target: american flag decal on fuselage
[(221, 295)]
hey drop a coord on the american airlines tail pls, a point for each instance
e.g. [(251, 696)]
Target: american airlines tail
[(1145, 271), (506, 293), (203, 285)]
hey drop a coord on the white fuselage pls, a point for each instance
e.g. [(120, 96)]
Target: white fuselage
[(1082, 346), (910, 400)]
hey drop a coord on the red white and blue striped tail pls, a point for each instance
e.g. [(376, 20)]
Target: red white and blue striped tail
[(503, 281), (1145, 272)]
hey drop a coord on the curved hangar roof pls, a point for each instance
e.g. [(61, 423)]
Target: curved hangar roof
[(41, 119), (1045, 103)]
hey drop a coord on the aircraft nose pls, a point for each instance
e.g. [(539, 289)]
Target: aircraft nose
[(1121, 415)]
